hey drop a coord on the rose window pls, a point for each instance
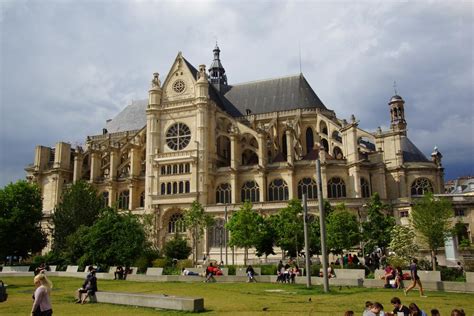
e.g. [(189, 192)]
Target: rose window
[(178, 136), (179, 86)]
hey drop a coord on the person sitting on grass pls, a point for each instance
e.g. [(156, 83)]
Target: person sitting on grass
[(368, 306), (416, 311), (398, 307), (375, 310), (458, 312), (435, 312)]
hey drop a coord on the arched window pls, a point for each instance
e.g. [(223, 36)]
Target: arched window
[(364, 188), (337, 153), (249, 158), (175, 169), (163, 170), (337, 136), (124, 199), (250, 192), (187, 168), (163, 189), (223, 193), (176, 223), (105, 199), (323, 128), (278, 190), (336, 188), (223, 151), (168, 169), (325, 144), (175, 187), (181, 168), (186, 187), (217, 233), (168, 188), (142, 199), (421, 186), (181, 187), (309, 140), (309, 187)]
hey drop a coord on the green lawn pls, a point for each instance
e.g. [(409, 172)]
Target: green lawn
[(229, 299)]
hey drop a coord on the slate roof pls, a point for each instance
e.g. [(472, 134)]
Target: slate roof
[(272, 95), (410, 152), (131, 118)]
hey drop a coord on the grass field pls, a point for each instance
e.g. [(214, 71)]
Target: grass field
[(228, 299)]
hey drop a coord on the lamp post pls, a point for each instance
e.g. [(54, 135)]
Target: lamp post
[(225, 233), (306, 242), (322, 222)]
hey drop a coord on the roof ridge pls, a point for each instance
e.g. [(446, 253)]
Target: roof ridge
[(269, 79)]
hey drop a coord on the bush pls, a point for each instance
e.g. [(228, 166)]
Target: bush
[(185, 263), (231, 269), (315, 269), (268, 269), (451, 274), (142, 264), (424, 265), (161, 262), (169, 270)]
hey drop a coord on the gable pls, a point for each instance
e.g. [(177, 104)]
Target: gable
[(180, 81)]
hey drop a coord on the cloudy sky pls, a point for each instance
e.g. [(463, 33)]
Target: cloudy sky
[(68, 66)]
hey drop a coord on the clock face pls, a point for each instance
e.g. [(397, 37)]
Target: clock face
[(179, 86)]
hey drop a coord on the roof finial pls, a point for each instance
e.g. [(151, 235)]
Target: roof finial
[(395, 87)]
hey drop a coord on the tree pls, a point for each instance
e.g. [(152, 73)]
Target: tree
[(80, 205), (403, 244), (431, 218), (177, 248), (114, 239), (342, 230), (196, 220), (20, 220), (265, 240), (376, 231), (289, 225), (243, 226)]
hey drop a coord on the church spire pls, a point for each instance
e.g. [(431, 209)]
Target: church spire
[(217, 71)]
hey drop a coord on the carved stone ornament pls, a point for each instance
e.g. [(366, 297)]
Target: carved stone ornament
[(155, 82)]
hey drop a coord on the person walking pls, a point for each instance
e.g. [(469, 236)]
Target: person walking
[(415, 278), (42, 303)]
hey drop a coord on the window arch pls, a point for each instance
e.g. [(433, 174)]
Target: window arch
[(309, 187), (249, 158), (325, 144), (223, 151), (124, 199), (364, 187), (176, 223), (250, 192), (163, 188), (337, 153), (421, 186), (336, 188), (105, 199), (278, 190), (142, 199), (323, 128), (309, 140), (223, 193)]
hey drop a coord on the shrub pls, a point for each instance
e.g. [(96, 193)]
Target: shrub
[(161, 262), (177, 248), (268, 269), (142, 264), (315, 269), (185, 263), (424, 264), (169, 270), (451, 274), (231, 269)]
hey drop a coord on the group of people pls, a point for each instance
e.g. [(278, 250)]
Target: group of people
[(287, 273), (376, 309), (121, 273), (348, 259), (394, 277), (211, 271)]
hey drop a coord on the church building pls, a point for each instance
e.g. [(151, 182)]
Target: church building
[(200, 137)]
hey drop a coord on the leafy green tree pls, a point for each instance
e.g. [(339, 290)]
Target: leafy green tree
[(115, 238), (265, 240), (432, 218), (342, 230), (243, 226), (403, 244), (196, 221), (80, 205), (376, 231), (314, 231), (20, 220), (177, 248), (289, 225)]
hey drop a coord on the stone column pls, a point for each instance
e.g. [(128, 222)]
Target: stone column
[(134, 162), (262, 151), (235, 188), (234, 152), (95, 165), (354, 173), (289, 147), (114, 163), (78, 161)]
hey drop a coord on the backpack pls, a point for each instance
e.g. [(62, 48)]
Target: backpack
[(3, 292)]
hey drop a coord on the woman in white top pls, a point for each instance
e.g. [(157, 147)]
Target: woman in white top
[(42, 303)]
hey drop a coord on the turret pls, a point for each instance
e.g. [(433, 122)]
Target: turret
[(217, 71), (397, 113)]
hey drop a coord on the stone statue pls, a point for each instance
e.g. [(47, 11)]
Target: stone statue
[(155, 83)]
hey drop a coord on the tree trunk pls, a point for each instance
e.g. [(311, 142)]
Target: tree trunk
[(433, 259)]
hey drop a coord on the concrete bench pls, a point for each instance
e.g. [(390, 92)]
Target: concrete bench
[(353, 274), (192, 304), (16, 269), (52, 268), (72, 268), (241, 271), (154, 271), (469, 277)]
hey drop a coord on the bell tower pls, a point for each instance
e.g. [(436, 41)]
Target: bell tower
[(217, 74), (397, 113)]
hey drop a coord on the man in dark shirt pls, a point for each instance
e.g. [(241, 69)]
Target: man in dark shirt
[(399, 309)]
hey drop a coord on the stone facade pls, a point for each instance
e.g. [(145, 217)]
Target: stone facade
[(198, 138)]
